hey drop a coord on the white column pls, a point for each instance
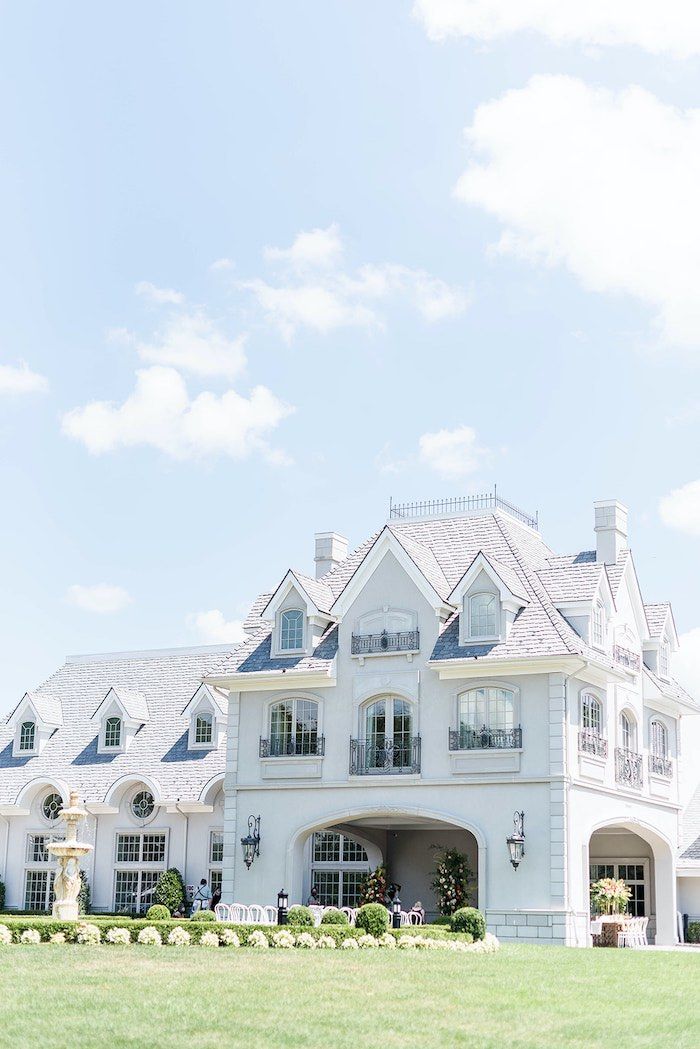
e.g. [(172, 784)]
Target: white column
[(231, 835), (557, 790)]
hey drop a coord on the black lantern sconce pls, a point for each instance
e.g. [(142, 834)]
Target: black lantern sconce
[(251, 842), (396, 912), (282, 905), (516, 841)]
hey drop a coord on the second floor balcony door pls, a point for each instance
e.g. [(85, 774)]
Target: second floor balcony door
[(388, 734)]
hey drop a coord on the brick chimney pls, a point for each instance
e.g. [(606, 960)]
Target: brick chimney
[(331, 550), (610, 529)]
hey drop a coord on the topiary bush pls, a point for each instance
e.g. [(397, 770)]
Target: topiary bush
[(84, 894), (693, 932), (158, 913), (170, 890), (2, 895), (372, 918), (442, 919), (300, 915), (203, 916), (469, 919), (333, 916)]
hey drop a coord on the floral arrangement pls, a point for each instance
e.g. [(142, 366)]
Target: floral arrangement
[(118, 936), (305, 939), (88, 933), (30, 936), (610, 895), (209, 939), (283, 939), (258, 939), (150, 936), (229, 938), (5, 935), (179, 937), (374, 886), (451, 881)]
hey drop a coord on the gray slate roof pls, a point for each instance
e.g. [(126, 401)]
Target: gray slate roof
[(573, 582), (254, 656), (47, 707), (167, 680), (656, 617), (134, 703)]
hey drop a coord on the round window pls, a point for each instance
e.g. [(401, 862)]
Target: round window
[(51, 806), (142, 805)]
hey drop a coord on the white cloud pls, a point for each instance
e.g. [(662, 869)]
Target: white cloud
[(193, 343), (315, 292), (212, 628), (221, 264), (452, 454), (100, 598), (680, 509), (672, 27), (21, 379), (160, 414), (159, 296), (311, 249), (601, 182)]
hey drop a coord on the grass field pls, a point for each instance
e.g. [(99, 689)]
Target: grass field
[(58, 996)]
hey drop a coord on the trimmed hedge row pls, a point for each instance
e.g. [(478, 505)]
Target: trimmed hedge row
[(46, 927)]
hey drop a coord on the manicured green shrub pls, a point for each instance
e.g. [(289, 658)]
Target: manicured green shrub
[(203, 916), (158, 913), (84, 894), (333, 916), (170, 890), (2, 895), (442, 919), (469, 919), (300, 915), (693, 932), (372, 918)]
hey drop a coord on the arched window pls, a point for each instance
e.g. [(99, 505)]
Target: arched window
[(339, 867), (388, 734), (598, 625), (482, 615), (203, 728), (292, 630), (659, 739), (143, 805), (486, 719), (113, 732), (27, 735), (591, 714), (51, 806), (294, 728), (628, 732)]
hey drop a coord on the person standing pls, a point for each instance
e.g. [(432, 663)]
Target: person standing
[(202, 897)]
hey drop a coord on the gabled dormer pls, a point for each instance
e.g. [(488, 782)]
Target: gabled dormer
[(662, 641), (207, 718), (34, 721), (489, 596), (121, 714), (300, 612)]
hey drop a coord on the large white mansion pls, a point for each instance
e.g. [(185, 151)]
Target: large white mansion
[(449, 673)]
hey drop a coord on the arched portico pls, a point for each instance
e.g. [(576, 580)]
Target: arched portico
[(403, 838), (644, 858)]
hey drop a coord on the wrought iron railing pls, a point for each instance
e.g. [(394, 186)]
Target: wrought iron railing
[(590, 742), (400, 641), (628, 767), (284, 747), (660, 766), (626, 658), (465, 504), (391, 757), (466, 738)]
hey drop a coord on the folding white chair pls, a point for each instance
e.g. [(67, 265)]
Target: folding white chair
[(222, 911), (271, 913), (239, 913), (406, 918), (349, 913), (256, 914)]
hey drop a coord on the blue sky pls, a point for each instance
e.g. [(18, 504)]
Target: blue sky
[(515, 304)]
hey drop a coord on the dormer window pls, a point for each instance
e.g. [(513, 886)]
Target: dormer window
[(203, 729), (292, 630), (664, 659), (27, 737), (483, 612), (113, 733), (598, 625)]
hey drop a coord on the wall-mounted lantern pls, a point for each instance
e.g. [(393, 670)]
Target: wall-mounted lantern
[(251, 842), (516, 841), (282, 905)]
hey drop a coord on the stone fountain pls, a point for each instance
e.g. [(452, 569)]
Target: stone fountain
[(66, 883)]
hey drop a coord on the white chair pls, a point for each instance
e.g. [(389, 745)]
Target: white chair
[(634, 934), (239, 913), (317, 913), (222, 912), (256, 914), (405, 918), (349, 913), (415, 918), (271, 914)]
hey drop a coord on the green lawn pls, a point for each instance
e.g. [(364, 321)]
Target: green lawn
[(522, 996)]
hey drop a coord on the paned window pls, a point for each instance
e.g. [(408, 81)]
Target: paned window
[(628, 732), (634, 874), (659, 739), (388, 733), (490, 708), (38, 890), (133, 886), (482, 615), (133, 890), (142, 805), (216, 847), (294, 727), (598, 626), (203, 729), (141, 848), (36, 848), (113, 732), (51, 806), (664, 659), (592, 714), (292, 630), (27, 735), (339, 866)]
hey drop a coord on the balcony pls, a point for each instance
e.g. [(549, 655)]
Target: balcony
[(465, 738), (660, 766), (312, 746), (590, 742), (384, 643), (628, 767), (626, 658), (389, 758)]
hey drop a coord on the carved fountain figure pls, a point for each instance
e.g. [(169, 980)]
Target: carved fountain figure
[(66, 884)]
